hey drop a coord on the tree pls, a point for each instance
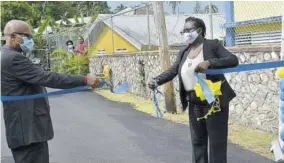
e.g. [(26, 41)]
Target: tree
[(174, 5), (59, 8), (119, 8), (214, 9), (90, 8), (34, 13), (64, 19), (197, 8), (20, 10)]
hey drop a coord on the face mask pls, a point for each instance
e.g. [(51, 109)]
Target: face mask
[(70, 46), (27, 45), (190, 37)]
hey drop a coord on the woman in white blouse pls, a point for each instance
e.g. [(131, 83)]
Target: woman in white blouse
[(201, 54)]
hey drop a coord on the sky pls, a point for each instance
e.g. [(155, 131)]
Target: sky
[(185, 6)]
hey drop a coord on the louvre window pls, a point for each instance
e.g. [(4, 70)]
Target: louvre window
[(260, 37)]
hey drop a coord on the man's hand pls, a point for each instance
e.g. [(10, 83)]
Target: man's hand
[(201, 67), (152, 84), (92, 81)]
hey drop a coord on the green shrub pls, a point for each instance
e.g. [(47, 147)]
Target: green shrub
[(69, 63)]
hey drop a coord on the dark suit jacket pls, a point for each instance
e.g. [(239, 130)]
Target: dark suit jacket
[(28, 121), (218, 57)]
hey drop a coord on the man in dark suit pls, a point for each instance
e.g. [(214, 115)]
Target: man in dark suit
[(28, 122)]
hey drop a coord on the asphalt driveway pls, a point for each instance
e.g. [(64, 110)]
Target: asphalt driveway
[(91, 129)]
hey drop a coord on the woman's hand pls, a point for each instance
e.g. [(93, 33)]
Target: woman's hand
[(152, 84), (201, 67)]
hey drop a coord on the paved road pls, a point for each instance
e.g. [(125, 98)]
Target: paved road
[(92, 129)]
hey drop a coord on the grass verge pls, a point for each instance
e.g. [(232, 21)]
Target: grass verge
[(253, 140)]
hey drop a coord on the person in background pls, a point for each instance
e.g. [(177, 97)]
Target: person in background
[(70, 46), (199, 55), (28, 122), (81, 46)]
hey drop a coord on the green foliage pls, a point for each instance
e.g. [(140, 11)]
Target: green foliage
[(34, 13), (197, 9), (119, 8), (89, 8), (214, 9), (42, 14), (174, 5), (69, 63), (20, 10)]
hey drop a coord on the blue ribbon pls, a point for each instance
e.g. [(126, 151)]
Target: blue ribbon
[(156, 102), (209, 96), (247, 67), (244, 67), (122, 88)]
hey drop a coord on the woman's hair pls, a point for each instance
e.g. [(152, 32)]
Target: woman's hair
[(69, 41), (199, 23)]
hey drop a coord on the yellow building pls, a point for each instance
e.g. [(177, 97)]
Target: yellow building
[(131, 33), (255, 22), (109, 41)]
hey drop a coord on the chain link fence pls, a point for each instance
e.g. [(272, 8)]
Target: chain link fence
[(133, 29), (58, 40), (252, 23), (40, 57)]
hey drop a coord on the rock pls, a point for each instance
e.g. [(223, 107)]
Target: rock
[(256, 78), (272, 85), (253, 59), (253, 105), (264, 78), (242, 58), (267, 57), (260, 58), (247, 56), (253, 88), (275, 56)]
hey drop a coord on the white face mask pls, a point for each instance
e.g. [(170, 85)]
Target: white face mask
[(190, 37), (70, 46)]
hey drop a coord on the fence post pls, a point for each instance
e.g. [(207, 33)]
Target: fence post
[(112, 40), (148, 24), (229, 15), (210, 19)]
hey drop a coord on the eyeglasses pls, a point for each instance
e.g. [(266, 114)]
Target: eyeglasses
[(187, 30), (29, 36)]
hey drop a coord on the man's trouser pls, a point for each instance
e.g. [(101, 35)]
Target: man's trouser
[(33, 153)]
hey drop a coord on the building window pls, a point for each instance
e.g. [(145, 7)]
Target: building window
[(258, 37), (122, 50), (101, 52)]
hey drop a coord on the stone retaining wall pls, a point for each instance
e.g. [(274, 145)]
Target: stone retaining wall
[(256, 104)]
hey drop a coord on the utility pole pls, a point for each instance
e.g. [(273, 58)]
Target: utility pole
[(148, 26), (210, 19), (165, 63)]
